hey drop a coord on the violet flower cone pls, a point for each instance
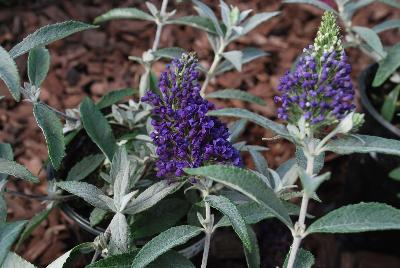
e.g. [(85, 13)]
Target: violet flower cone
[(183, 134), (319, 88)]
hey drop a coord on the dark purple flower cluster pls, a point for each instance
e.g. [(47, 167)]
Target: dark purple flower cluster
[(319, 89), (184, 135)]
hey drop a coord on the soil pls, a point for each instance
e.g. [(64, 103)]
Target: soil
[(95, 62)]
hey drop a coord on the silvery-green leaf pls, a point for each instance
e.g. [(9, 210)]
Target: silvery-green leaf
[(235, 94), (171, 259), (246, 182), (30, 92), (389, 106), (205, 11), (301, 160), (6, 152), (310, 184), (255, 118), (169, 53), (252, 213), (51, 127), (96, 216), (236, 129), (159, 218), (362, 217), (87, 192), (38, 65), (15, 261), (163, 242), (395, 174), (14, 169), (387, 66), (114, 96), (9, 73), (119, 238), (316, 3), (257, 148), (9, 232), (386, 25), (116, 261), (97, 127), (121, 179), (123, 13), (151, 196), (304, 259), (47, 35), (152, 8), (363, 144), (85, 167), (288, 172), (260, 162), (198, 22), (249, 54), (370, 38), (252, 256), (392, 3), (225, 12), (226, 207), (256, 20), (3, 207), (64, 260), (32, 224)]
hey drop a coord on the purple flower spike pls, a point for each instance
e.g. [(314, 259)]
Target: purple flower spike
[(319, 88), (184, 135)]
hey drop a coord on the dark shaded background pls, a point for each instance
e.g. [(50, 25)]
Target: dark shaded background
[(94, 62)]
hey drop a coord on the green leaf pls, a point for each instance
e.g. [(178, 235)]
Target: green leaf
[(96, 216), (370, 38), (246, 182), (151, 196), (32, 224), (226, 207), (362, 217), (169, 52), (255, 118), (98, 128), (395, 174), (235, 57), (114, 96), (9, 232), (249, 54), (87, 192), (311, 184), (9, 73), (392, 3), (389, 106), (304, 259), (6, 152), (301, 160), (85, 167), (171, 259), (123, 13), (236, 129), (3, 208), (65, 260), (164, 215), (119, 238), (51, 127), (163, 242), (363, 144), (253, 256), (15, 261), (386, 25), (14, 169), (256, 20), (387, 66), (116, 261), (316, 3), (38, 65), (235, 94), (198, 22), (47, 35), (205, 11)]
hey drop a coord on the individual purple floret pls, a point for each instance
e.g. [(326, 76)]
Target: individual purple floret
[(184, 135), (319, 88)]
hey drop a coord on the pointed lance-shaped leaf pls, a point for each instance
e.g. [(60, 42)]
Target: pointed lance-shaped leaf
[(9, 73)]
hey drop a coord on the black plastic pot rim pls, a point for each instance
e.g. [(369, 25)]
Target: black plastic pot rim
[(367, 105)]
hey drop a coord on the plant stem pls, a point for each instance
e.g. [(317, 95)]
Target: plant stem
[(160, 25), (208, 227), (107, 234), (65, 116), (300, 224), (210, 73)]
